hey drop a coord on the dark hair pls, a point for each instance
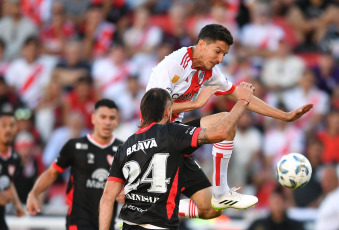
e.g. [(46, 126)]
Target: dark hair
[(153, 105), (31, 39), (105, 103), (215, 32), (6, 113)]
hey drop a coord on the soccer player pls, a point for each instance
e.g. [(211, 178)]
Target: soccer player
[(149, 164), (9, 167), (191, 77), (89, 158)]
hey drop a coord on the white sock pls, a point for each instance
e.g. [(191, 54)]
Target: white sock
[(221, 152), (188, 209)]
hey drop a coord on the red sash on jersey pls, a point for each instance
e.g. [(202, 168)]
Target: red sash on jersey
[(29, 81), (123, 73), (143, 38)]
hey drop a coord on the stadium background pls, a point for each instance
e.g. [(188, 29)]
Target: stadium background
[(69, 53)]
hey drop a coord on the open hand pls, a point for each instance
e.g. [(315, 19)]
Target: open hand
[(297, 113), (205, 95)]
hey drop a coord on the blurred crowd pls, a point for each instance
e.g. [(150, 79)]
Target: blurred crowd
[(57, 57)]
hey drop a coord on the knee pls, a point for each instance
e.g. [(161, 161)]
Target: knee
[(208, 213)]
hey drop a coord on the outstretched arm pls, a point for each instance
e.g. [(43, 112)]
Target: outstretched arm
[(259, 106), (44, 181)]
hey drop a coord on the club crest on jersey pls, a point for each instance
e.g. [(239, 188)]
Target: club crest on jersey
[(90, 158), (115, 148), (201, 76), (110, 159), (142, 145), (11, 170)]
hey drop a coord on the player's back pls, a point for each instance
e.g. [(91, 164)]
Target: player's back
[(150, 162)]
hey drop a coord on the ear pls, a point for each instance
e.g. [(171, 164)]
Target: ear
[(93, 118), (201, 43)]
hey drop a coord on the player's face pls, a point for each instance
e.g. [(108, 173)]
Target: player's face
[(212, 53), (8, 129), (105, 120)]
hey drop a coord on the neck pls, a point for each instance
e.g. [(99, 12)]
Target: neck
[(4, 149), (100, 139), (195, 59)]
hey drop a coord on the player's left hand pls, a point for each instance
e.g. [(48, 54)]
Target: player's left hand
[(297, 113)]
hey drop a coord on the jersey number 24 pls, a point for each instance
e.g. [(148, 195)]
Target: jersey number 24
[(158, 180)]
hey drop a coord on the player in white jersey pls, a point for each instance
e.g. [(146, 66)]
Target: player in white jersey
[(191, 77)]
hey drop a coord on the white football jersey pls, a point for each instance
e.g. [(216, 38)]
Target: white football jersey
[(176, 75)]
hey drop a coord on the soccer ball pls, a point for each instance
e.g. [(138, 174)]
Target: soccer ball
[(293, 171)]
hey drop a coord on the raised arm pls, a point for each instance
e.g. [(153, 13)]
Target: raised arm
[(111, 192), (220, 131), (45, 180), (259, 106)]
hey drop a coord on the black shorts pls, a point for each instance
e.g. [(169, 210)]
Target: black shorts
[(193, 179)]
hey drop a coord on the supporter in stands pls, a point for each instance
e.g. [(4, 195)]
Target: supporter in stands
[(18, 30), (72, 66), (277, 217), (29, 75), (330, 138), (328, 212), (56, 32)]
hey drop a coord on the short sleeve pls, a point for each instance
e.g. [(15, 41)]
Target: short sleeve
[(184, 137), (115, 172), (65, 157), (219, 79), (165, 76)]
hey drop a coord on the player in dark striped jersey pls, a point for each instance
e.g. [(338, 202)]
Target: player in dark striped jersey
[(89, 158), (149, 164), (9, 167)]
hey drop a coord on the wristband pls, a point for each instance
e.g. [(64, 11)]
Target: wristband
[(243, 100)]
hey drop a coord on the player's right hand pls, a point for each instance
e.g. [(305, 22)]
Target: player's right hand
[(245, 91), (32, 204), (205, 95)]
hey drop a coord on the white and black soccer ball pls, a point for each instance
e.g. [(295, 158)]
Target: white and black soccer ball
[(293, 171)]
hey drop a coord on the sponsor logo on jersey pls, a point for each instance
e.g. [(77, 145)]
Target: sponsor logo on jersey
[(142, 145), (185, 97), (175, 79), (135, 208), (137, 197), (90, 158), (81, 146), (98, 179)]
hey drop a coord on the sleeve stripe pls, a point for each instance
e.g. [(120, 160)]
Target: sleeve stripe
[(58, 168), (231, 90), (194, 142), (116, 179)]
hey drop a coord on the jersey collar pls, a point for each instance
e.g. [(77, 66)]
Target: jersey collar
[(144, 129), (91, 139), (8, 154)]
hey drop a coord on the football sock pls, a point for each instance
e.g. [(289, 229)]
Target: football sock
[(221, 152), (188, 209)]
